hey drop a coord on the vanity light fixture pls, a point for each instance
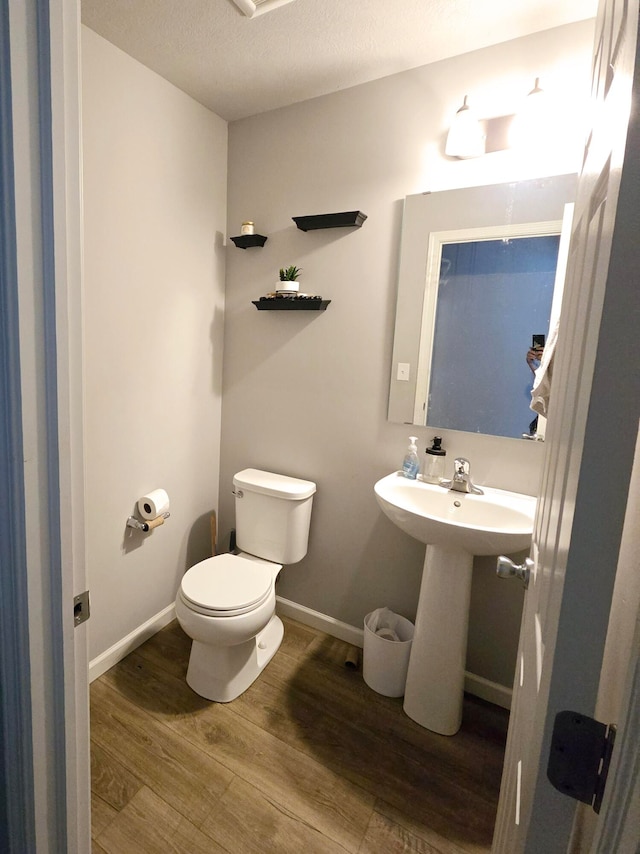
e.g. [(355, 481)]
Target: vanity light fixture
[(252, 8), (466, 137)]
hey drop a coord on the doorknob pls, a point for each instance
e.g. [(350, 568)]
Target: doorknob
[(506, 568)]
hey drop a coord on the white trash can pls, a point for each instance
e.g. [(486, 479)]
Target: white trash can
[(387, 645)]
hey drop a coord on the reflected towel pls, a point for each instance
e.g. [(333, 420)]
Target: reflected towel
[(541, 390)]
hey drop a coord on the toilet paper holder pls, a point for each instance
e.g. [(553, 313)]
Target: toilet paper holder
[(149, 525)]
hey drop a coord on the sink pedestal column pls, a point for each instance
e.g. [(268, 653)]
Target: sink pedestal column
[(435, 680)]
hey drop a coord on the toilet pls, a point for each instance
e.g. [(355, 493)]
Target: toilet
[(227, 603)]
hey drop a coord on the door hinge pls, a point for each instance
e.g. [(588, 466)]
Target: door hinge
[(81, 610), (581, 749)]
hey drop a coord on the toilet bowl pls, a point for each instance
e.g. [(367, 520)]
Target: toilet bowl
[(226, 604)]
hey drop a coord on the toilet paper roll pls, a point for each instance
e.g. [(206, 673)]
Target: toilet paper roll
[(387, 634), (154, 523), (352, 658), (154, 504)]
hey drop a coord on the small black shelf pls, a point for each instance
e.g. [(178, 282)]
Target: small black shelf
[(291, 304), (246, 241), (345, 219)]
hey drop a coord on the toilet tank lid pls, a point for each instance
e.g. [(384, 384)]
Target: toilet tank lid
[(278, 485)]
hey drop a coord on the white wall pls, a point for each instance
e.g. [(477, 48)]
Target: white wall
[(305, 393), (155, 169)]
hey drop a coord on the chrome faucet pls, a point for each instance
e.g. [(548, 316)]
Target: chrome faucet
[(461, 480)]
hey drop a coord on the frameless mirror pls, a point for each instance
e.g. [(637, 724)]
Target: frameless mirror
[(479, 271)]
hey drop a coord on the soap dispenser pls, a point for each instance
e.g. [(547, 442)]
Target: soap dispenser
[(411, 463), (434, 462)]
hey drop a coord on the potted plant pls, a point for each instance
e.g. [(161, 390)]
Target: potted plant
[(289, 279)]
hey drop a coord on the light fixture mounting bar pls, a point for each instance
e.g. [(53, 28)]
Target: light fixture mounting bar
[(252, 9)]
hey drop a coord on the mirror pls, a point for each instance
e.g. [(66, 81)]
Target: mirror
[(476, 282)]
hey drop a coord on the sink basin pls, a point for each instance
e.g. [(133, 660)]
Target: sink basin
[(490, 524)]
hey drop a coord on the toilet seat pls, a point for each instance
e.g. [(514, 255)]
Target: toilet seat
[(226, 586)]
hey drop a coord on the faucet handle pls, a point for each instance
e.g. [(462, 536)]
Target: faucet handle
[(462, 475), (461, 465)]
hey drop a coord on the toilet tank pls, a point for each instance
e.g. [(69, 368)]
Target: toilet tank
[(273, 513)]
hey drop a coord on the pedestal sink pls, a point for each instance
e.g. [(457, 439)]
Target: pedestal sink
[(455, 526)]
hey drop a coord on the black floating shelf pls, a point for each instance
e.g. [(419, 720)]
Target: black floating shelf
[(332, 220), (246, 241), (291, 304)]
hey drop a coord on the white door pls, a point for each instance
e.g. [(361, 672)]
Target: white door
[(66, 189), (589, 454), (618, 826)]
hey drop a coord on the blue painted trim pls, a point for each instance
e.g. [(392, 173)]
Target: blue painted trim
[(51, 416), (17, 812)]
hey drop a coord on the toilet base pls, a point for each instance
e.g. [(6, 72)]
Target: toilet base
[(223, 673)]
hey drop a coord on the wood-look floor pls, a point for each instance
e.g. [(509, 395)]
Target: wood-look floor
[(309, 760)]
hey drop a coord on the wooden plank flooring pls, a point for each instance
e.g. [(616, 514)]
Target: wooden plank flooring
[(309, 760)]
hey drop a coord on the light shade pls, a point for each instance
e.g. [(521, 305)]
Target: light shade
[(466, 136)]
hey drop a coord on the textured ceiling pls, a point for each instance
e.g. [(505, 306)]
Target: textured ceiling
[(239, 66)]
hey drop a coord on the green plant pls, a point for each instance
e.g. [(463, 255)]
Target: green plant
[(289, 274)]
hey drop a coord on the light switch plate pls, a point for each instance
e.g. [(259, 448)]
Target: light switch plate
[(403, 371)]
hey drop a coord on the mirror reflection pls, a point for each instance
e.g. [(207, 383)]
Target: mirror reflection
[(505, 287), (477, 283)]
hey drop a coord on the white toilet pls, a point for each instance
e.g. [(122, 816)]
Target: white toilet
[(226, 604)]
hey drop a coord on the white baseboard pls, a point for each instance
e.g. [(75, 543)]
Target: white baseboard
[(492, 692), (329, 625), (476, 685), (115, 653)]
